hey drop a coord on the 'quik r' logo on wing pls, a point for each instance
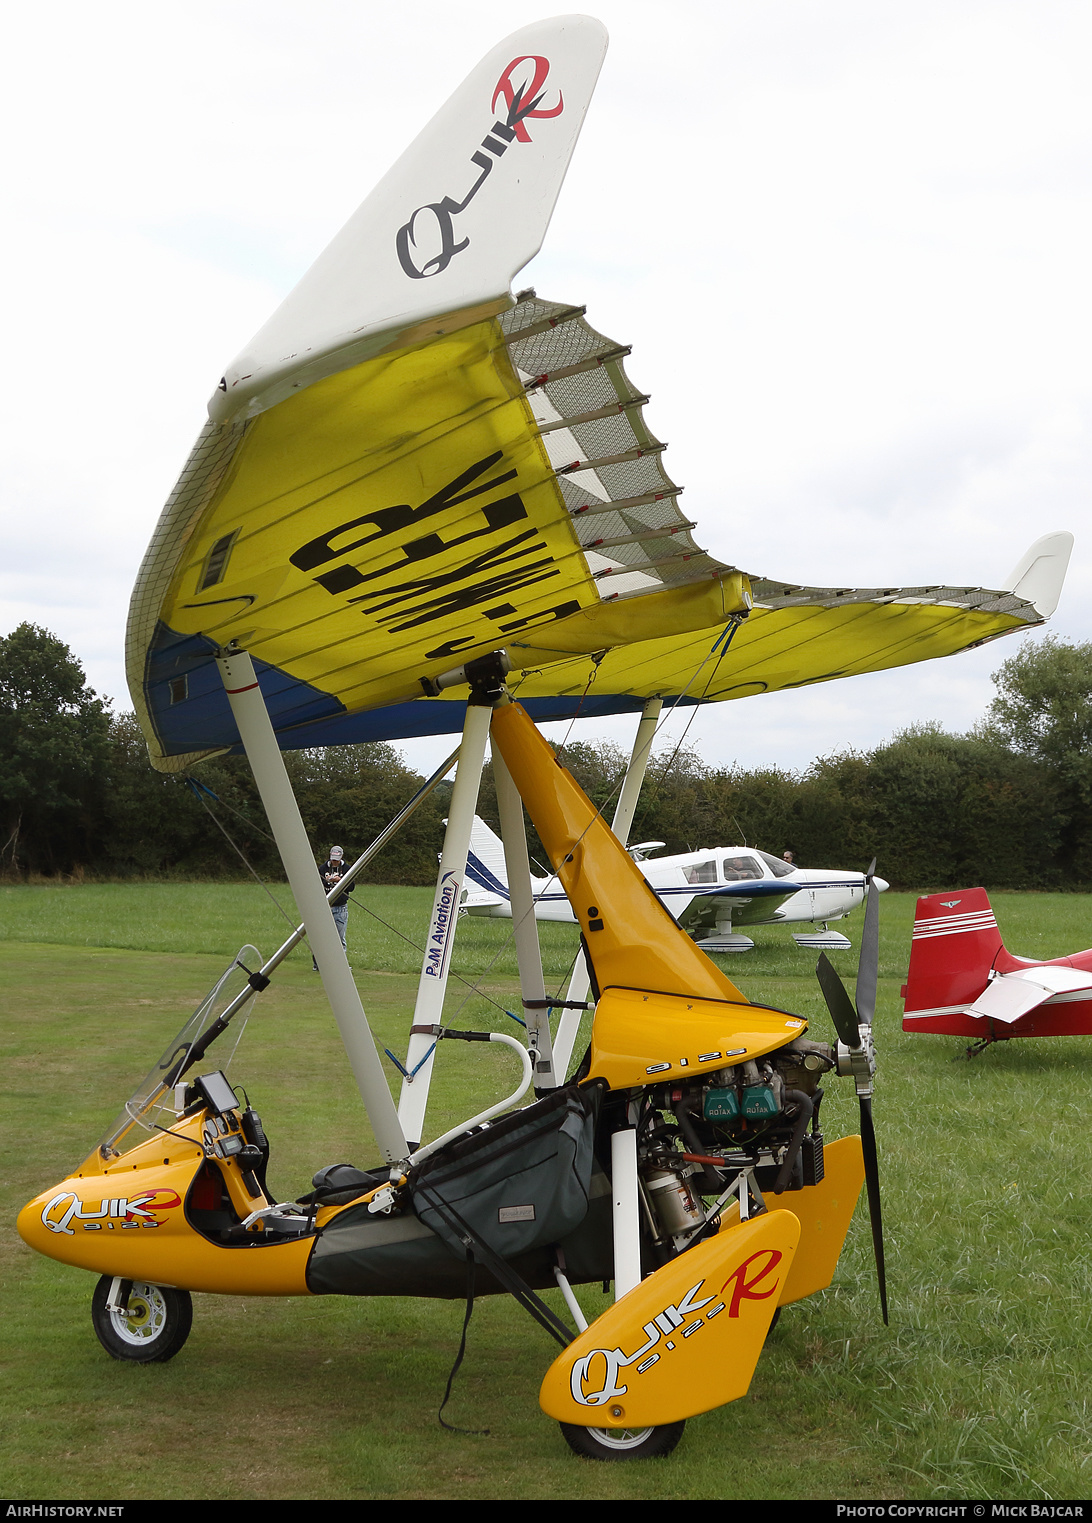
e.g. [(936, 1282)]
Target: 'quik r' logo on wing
[(427, 243)]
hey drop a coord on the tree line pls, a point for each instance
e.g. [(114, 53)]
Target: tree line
[(1007, 805)]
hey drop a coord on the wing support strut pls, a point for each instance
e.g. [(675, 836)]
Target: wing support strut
[(263, 753), (440, 942)]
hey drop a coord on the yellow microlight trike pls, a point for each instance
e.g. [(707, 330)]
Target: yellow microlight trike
[(683, 1161), (409, 467)]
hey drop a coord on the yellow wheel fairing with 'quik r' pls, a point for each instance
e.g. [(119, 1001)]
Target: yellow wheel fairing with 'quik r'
[(683, 1341), (687, 1339)]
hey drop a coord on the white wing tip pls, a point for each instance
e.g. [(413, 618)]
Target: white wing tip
[(1038, 575)]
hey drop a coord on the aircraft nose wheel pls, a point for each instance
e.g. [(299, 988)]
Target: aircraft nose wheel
[(152, 1326), (622, 1443)]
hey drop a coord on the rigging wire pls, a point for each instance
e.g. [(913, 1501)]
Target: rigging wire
[(596, 662), (196, 789), (191, 781), (367, 910), (729, 630), (661, 777)]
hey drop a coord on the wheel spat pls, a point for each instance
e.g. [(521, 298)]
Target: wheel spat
[(856, 1055)]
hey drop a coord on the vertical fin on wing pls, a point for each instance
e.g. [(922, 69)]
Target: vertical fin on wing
[(446, 229), (1039, 573)]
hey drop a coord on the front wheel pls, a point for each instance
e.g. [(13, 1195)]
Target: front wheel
[(152, 1327), (622, 1443)]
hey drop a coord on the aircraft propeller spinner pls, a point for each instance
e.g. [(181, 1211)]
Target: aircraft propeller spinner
[(857, 1054)]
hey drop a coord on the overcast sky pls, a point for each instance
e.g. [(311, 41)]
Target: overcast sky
[(850, 242)]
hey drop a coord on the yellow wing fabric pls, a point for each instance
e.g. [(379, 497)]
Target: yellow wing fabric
[(492, 487), (404, 514), (840, 634), (382, 521)]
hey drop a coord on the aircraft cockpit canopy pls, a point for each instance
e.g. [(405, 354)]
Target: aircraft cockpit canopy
[(740, 868)]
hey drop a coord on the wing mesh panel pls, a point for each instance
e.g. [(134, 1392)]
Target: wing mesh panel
[(662, 559)]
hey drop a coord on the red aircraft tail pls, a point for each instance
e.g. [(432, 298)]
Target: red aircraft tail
[(955, 944)]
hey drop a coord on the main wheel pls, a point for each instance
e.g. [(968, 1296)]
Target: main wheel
[(152, 1328), (622, 1443)]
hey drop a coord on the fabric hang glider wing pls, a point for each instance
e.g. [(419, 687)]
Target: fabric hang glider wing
[(408, 468)]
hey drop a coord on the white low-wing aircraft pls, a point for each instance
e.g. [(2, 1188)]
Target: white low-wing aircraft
[(706, 891)]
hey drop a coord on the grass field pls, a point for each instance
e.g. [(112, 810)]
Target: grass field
[(979, 1389)]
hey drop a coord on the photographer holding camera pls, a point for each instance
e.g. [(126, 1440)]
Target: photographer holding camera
[(330, 872)]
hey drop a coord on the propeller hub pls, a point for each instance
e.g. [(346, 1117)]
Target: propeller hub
[(858, 1063)]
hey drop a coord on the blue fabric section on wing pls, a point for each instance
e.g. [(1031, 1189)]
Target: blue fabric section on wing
[(190, 710)]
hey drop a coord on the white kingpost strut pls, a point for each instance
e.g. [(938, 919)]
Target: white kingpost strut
[(524, 925), (436, 964), (625, 1186), (626, 806), (624, 810), (264, 755)]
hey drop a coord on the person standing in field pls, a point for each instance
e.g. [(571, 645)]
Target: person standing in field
[(330, 872)]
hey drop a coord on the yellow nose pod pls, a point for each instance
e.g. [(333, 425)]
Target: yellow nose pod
[(685, 1340)]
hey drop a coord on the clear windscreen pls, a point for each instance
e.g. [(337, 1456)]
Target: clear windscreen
[(781, 868), (152, 1104)]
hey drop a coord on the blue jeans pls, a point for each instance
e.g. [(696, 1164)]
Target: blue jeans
[(340, 913)]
